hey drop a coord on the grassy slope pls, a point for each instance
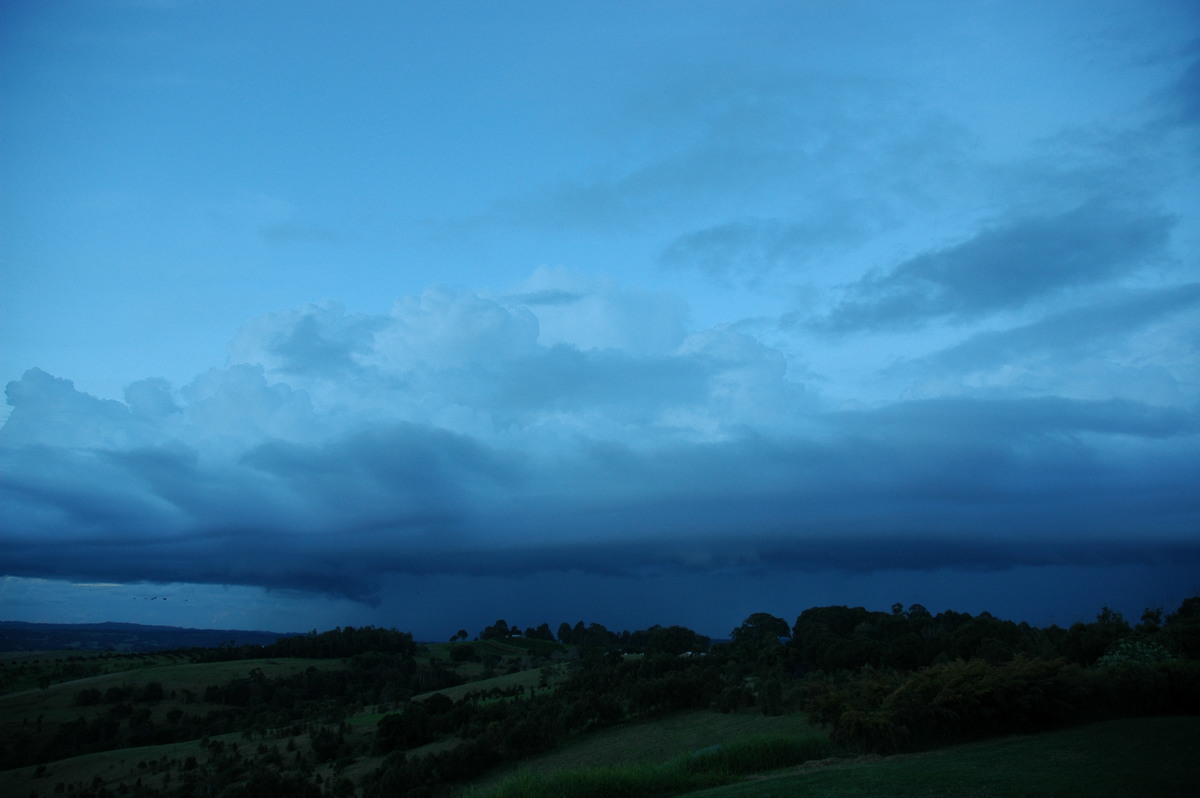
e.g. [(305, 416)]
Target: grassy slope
[(655, 742), (1133, 757), (667, 738), (20, 711), (57, 702), (36, 664)]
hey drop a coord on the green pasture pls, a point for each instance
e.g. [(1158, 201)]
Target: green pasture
[(125, 765), (1141, 756), (58, 701), (652, 743), (665, 739), (26, 670), (1116, 759)]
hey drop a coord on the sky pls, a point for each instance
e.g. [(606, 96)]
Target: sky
[(422, 315)]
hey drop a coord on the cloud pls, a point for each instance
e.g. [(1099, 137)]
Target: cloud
[(591, 313), (1071, 330), (1132, 344), (573, 424), (658, 189), (48, 411), (1005, 267), (245, 481), (713, 158), (1179, 100), (316, 339), (751, 249)]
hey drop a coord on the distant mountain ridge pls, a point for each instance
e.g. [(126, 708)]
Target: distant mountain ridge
[(128, 637)]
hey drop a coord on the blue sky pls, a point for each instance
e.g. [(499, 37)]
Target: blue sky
[(425, 314)]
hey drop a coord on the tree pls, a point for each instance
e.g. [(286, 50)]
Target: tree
[(760, 625), (499, 629), (1151, 620), (1182, 629), (1086, 643), (541, 633), (757, 641), (672, 640)]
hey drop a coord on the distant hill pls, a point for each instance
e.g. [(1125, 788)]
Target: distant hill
[(22, 636)]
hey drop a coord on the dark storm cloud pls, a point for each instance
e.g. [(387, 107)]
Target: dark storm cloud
[(1003, 268), (861, 554), (919, 485), (404, 475)]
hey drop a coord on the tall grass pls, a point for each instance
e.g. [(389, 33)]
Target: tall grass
[(708, 768)]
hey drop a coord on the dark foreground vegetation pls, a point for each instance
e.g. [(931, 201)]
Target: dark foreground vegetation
[(369, 712)]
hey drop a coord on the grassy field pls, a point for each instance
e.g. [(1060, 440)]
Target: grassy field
[(124, 765), (26, 670), (57, 702), (654, 743), (1133, 757), (667, 739)]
